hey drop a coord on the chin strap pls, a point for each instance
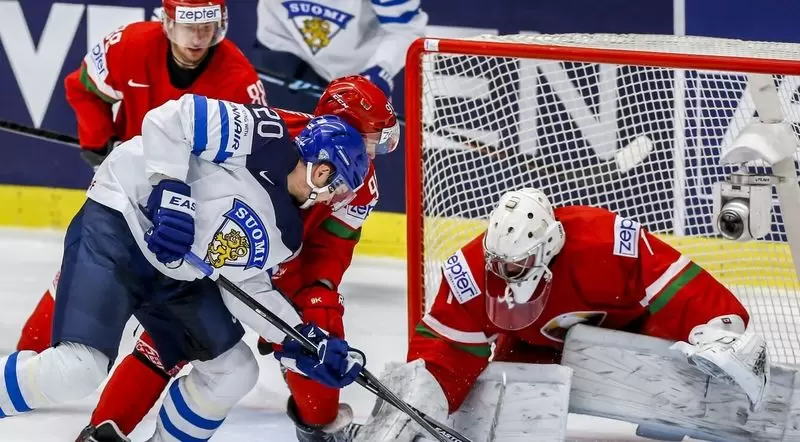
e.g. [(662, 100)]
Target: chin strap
[(310, 200), (315, 191)]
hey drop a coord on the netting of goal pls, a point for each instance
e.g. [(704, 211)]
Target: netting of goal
[(632, 123)]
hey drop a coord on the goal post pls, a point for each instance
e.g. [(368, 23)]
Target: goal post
[(632, 123)]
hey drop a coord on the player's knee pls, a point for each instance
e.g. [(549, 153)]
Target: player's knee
[(228, 377), (71, 371)]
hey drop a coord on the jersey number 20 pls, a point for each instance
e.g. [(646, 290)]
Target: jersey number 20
[(269, 122)]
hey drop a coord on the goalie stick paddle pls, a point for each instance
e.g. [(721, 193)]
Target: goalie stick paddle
[(365, 378)]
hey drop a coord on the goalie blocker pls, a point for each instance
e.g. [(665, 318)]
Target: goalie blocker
[(607, 373)]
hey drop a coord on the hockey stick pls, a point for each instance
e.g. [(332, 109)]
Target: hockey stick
[(625, 159), (42, 134), (365, 378)]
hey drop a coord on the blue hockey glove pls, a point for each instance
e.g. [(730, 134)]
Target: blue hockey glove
[(171, 208), (335, 364), (382, 78)]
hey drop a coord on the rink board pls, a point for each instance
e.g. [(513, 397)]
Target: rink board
[(384, 234)]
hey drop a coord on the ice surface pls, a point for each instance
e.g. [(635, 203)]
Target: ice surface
[(375, 300)]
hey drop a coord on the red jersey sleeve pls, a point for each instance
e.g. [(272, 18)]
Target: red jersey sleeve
[(331, 245), (96, 85), (452, 337), (248, 89), (678, 293)]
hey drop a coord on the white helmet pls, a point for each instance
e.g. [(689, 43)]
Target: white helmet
[(522, 238)]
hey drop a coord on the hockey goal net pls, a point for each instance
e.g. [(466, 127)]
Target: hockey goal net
[(632, 123)]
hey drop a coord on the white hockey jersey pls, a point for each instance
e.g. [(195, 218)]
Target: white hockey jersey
[(236, 159), (342, 37)]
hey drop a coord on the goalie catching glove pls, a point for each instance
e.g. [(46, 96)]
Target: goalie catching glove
[(335, 364), (724, 350)]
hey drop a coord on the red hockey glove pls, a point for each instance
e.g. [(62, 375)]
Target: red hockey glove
[(323, 306), (319, 304)]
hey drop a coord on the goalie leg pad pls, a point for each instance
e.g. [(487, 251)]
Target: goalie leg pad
[(413, 383), (638, 379), (510, 402), (515, 402)]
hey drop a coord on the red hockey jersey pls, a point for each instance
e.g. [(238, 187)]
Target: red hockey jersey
[(329, 237), (130, 65), (610, 273)]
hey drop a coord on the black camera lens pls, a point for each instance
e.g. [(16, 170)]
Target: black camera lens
[(730, 224)]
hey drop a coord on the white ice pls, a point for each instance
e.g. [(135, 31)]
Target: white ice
[(375, 300)]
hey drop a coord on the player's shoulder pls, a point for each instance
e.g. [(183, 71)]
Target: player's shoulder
[(232, 75), (229, 57), (596, 231), (575, 218)]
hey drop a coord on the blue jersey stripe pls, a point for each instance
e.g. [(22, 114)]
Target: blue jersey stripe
[(175, 431), (390, 2), (12, 384), (200, 141), (187, 413), (222, 154), (402, 18)]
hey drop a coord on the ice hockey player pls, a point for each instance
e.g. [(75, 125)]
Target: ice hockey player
[(144, 64), (219, 180), (317, 41), (310, 280), (141, 66), (535, 272)]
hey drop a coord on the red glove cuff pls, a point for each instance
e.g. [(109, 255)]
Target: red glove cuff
[(322, 306)]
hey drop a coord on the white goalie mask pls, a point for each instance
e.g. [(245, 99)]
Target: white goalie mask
[(522, 238)]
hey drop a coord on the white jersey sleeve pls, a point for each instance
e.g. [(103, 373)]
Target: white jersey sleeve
[(402, 22), (260, 288)]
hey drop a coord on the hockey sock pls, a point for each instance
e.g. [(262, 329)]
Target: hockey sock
[(130, 393), (39, 326), (12, 400), (185, 416), (317, 405), (57, 375), (197, 404)]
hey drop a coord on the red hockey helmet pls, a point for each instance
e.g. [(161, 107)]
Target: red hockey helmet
[(363, 105), (196, 24)]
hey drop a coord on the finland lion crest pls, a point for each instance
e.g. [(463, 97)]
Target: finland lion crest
[(241, 240), (317, 24)]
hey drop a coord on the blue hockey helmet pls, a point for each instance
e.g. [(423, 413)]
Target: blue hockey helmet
[(328, 139)]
